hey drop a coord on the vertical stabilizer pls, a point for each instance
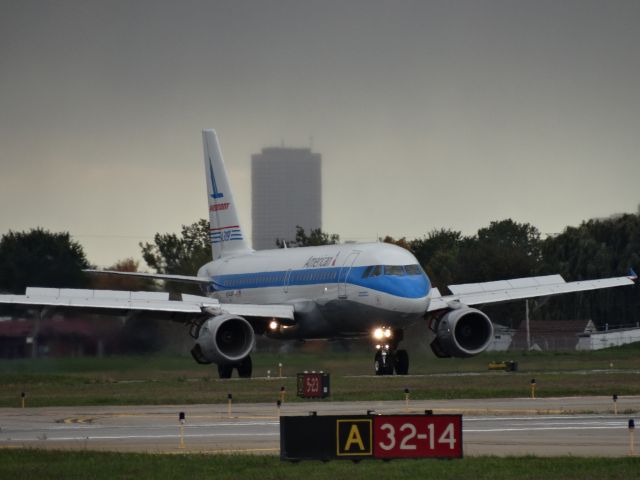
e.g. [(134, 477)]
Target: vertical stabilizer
[(227, 237)]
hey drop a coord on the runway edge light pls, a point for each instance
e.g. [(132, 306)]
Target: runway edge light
[(533, 388), (181, 420)]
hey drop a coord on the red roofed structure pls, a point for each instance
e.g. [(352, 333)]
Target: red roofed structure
[(56, 336)]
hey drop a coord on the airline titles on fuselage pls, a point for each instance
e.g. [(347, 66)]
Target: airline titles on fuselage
[(218, 206), (316, 262)]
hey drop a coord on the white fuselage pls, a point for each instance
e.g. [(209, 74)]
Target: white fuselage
[(337, 290)]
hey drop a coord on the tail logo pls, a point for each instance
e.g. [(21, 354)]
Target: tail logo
[(214, 187), (225, 234)]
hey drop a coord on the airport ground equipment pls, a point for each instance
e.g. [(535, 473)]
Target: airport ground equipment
[(507, 366)]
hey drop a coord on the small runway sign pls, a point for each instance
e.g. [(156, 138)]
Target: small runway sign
[(413, 436), (313, 385), (359, 437), (354, 437)]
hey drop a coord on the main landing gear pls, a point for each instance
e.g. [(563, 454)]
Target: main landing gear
[(388, 358), (387, 361), (245, 368)]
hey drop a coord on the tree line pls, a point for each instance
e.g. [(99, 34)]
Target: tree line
[(508, 249), (502, 250)]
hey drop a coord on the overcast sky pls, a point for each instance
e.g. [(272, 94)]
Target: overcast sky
[(427, 114)]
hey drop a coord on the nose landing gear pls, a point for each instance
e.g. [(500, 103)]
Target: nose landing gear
[(389, 359), (382, 363)]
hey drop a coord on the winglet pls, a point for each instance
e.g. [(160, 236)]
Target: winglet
[(632, 275)]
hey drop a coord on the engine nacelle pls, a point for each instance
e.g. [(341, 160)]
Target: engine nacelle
[(223, 339), (462, 332)]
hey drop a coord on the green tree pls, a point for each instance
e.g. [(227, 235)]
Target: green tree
[(118, 282), (401, 242), (316, 237), (504, 249), (438, 253), (180, 254), (596, 249), (40, 258)]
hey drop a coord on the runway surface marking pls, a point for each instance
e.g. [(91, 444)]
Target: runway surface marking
[(124, 437), (78, 431), (545, 423), (518, 426)]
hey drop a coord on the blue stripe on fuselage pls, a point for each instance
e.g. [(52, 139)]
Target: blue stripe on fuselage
[(406, 286)]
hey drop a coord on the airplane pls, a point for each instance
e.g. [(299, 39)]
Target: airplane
[(350, 290)]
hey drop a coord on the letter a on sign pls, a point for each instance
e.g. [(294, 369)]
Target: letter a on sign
[(354, 437)]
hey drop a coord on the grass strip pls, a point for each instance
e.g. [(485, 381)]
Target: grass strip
[(69, 390), (175, 380), (46, 464)]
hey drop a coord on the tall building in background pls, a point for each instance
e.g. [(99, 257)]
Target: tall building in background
[(286, 191)]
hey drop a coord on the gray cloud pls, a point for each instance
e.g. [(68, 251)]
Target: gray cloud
[(427, 114)]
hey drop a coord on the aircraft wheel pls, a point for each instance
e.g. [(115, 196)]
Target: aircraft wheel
[(245, 367), (225, 371), (388, 368), (402, 362), (377, 363)]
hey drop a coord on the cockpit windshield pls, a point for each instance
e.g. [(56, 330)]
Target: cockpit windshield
[(396, 270), (413, 269), (372, 271), (393, 270)]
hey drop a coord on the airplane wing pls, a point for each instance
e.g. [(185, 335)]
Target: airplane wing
[(519, 288), (156, 303), (153, 276)]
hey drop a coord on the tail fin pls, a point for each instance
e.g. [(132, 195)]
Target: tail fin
[(224, 226)]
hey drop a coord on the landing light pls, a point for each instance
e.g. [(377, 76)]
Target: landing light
[(380, 333), (273, 325)]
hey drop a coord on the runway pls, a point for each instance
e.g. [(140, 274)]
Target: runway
[(579, 426)]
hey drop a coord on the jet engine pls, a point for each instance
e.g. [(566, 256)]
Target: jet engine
[(223, 339), (462, 332)]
